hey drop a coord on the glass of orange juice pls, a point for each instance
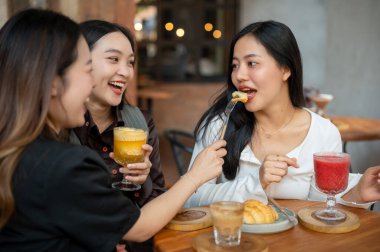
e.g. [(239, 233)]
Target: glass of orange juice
[(127, 149)]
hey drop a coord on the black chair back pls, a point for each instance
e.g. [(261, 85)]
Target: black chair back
[(182, 144)]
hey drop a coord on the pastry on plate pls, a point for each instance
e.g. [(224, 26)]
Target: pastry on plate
[(256, 212)]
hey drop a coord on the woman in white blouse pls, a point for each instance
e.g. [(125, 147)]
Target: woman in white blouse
[(271, 138)]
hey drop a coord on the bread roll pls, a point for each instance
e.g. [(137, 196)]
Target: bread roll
[(256, 212)]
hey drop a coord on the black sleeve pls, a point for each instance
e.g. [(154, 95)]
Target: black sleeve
[(84, 206), (155, 182)]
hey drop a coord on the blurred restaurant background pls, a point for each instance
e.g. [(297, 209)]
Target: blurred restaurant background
[(183, 47)]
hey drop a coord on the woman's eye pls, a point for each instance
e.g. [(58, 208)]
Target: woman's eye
[(131, 63), (252, 63), (234, 66), (114, 59)]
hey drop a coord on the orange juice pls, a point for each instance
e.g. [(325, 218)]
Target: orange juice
[(127, 145)]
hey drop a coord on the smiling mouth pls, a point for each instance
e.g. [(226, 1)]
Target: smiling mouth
[(116, 84)]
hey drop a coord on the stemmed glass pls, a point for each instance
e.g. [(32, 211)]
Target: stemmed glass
[(331, 176), (127, 150), (322, 100)]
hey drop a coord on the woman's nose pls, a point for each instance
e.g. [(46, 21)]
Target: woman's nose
[(125, 71), (241, 73)]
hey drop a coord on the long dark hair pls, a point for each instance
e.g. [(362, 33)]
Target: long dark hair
[(281, 44), (93, 30), (36, 46)]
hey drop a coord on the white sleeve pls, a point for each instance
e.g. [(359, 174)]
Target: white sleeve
[(240, 189), (353, 180), (333, 139), (205, 138)]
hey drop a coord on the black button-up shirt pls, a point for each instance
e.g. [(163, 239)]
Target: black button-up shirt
[(90, 136)]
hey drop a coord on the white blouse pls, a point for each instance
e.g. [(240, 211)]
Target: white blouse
[(322, 136)]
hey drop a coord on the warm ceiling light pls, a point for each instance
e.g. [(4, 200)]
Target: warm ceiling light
[(169, 26), (180, 32), (217, 34), (208, 27), (138, 26)]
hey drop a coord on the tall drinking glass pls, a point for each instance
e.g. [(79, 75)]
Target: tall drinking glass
[(331, 176), (127, 150)]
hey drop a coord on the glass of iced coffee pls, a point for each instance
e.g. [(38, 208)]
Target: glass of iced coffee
[(227, 217)]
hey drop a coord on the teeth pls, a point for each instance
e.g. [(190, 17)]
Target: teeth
[(246, 90), (118, 84)]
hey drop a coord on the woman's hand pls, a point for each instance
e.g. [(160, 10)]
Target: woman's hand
[(208, 163), (274, 168), (368, 188), (138, 172), (120, 248)]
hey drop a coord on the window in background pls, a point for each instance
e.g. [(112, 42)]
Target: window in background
[(185, 40)]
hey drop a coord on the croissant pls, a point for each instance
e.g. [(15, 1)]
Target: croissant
[(256, 212)]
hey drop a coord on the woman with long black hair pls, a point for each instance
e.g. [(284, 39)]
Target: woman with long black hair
[(271, 138)]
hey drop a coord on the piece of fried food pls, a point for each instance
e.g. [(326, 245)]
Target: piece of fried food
[(239, 96), (256, 212)]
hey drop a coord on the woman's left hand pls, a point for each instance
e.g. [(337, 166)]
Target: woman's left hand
[(368, 188)]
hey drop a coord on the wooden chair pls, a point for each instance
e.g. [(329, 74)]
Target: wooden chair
[(182, 144)]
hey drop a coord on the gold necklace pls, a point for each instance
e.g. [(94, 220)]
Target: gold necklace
[(270, 134)]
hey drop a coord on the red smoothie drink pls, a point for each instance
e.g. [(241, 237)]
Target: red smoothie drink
[(331, 172)]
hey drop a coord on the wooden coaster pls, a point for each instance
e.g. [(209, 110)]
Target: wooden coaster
[(249, 242), (349, 224), (189, 219)]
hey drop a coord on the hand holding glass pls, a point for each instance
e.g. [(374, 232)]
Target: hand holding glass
[(331, 176), (128, 144)]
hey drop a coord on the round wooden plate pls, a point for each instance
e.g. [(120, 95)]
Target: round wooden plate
[(189, 219), (349, 224), (249, 242)]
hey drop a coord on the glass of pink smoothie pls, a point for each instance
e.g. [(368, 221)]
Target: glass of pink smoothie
[(331, 171)]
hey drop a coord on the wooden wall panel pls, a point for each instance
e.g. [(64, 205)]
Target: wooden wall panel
[(106, 10)]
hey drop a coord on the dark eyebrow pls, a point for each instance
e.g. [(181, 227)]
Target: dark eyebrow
[(113, 50), (117, 51), (249, 56), (252, 55)]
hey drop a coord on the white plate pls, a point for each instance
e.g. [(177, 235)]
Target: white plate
[(281, 224)]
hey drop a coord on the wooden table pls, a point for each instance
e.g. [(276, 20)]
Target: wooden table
[(299, 238), (356, 128), (150, 94)]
